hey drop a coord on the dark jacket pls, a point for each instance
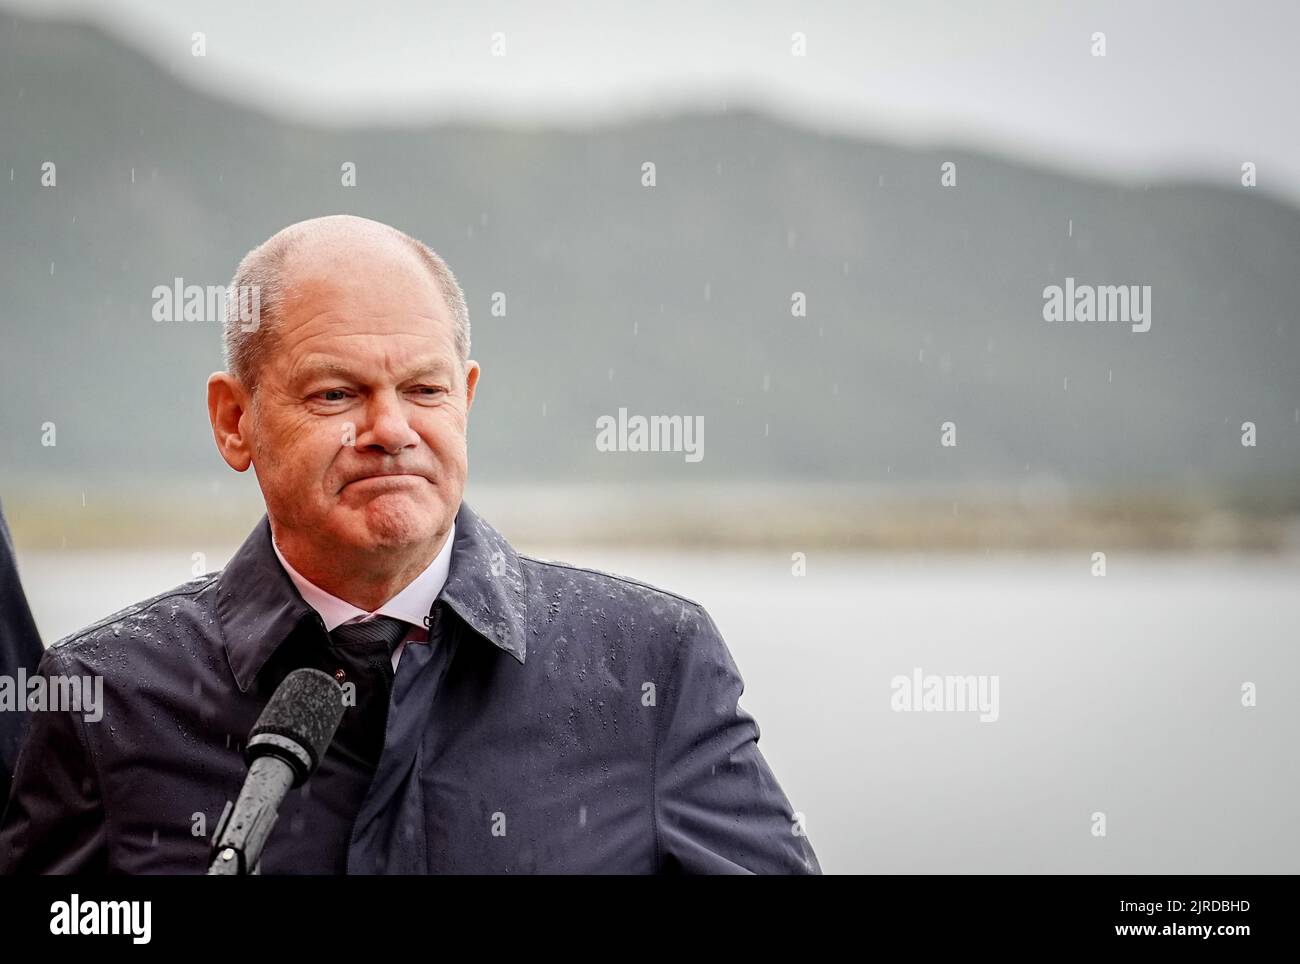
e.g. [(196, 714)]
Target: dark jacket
[(20, 649), (560, 721)]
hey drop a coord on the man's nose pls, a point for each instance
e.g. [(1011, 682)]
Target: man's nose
[(386, 425)]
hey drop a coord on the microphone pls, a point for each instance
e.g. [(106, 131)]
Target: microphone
[(284, 748)]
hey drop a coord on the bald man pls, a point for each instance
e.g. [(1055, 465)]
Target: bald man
[(504, 714)]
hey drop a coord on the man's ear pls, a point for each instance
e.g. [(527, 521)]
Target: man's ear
[(228, 404), (471, 382)]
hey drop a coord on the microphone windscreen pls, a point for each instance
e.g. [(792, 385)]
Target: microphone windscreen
[(307, 708)]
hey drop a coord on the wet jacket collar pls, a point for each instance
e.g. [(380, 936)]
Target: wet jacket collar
[(258, 605)]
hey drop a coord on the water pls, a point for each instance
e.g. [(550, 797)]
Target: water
[(1119, 695)]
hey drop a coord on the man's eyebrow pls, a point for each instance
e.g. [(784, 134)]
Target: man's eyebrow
[(438, 367), (317, 369)]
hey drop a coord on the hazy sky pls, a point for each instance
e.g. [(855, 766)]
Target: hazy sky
[(1187, 86)]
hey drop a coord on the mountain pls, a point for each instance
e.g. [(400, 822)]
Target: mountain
[(924, 302)]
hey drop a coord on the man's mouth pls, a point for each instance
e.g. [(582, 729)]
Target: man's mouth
[(385, 479)]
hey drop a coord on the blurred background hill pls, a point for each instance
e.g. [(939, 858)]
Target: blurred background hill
[(924, 305)]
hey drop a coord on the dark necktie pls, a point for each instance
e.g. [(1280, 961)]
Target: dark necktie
[(364, 652), (391, 631)]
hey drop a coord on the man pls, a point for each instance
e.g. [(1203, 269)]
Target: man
[(510, 715), (20, 653)]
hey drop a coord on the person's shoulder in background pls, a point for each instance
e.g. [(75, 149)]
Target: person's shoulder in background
[(20, 649)]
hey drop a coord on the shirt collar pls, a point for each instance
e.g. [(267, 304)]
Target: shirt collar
[(411, 605), (258, 605)]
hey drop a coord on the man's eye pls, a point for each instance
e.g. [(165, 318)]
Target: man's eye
[(430, 391), (332, 395)]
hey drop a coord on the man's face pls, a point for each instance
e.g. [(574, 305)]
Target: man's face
[(357, 428)]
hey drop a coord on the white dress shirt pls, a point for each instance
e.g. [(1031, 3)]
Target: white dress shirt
[(411, 605)]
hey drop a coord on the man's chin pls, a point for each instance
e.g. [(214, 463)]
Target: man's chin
[(392, 520)]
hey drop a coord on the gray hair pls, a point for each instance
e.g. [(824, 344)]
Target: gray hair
[(262, 270)]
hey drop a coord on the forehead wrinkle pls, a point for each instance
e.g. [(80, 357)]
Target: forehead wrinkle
[(332, 331), (333, 322)]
